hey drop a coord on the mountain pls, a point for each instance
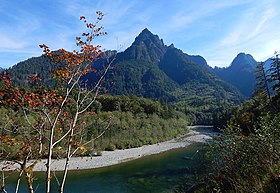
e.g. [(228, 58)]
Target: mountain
[(1, 69), (241, 73), (151, 69), (36, 65), (136, 72)]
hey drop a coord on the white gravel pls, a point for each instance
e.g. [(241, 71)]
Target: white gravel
[(114, 157)]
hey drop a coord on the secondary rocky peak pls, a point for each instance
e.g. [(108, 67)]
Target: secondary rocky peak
[(243, 59), (241, 73), (171, 46)]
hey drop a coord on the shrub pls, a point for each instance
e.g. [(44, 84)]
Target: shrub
[(110, 147)]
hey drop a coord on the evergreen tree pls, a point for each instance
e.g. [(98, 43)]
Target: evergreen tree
[(262, 87), (275, 72)]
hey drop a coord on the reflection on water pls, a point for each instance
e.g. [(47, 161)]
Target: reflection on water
[(156, 173)]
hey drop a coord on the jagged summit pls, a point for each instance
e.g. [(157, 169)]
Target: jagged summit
[(146, 31), (148, 38), (146, 46)]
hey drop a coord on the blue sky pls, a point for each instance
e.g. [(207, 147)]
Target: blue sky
[(215, 29)]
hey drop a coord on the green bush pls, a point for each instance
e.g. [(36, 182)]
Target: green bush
[(110, 147), (247, 163)]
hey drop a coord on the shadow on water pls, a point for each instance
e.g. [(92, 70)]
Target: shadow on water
[(156, 173)]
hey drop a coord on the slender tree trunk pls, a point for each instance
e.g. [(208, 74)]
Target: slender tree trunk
[(61, 188), (2, 188), (41, 142), (28, 171), (29, 178), (49, 160), (18, 181), (51, 143)]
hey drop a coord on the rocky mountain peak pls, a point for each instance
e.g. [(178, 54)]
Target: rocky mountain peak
[(244, 60), (148, 39), (146, 46)]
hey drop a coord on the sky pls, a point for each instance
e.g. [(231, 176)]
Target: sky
[(216, 29)]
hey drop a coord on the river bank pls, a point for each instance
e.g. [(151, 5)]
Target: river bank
[(108, 158)]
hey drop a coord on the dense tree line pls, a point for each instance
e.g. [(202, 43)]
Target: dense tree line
[(128, 130), (134, 121)]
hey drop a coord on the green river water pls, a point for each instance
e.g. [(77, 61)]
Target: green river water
[(156, 173)]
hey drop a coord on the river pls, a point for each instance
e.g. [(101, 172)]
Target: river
[(163, 172)]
